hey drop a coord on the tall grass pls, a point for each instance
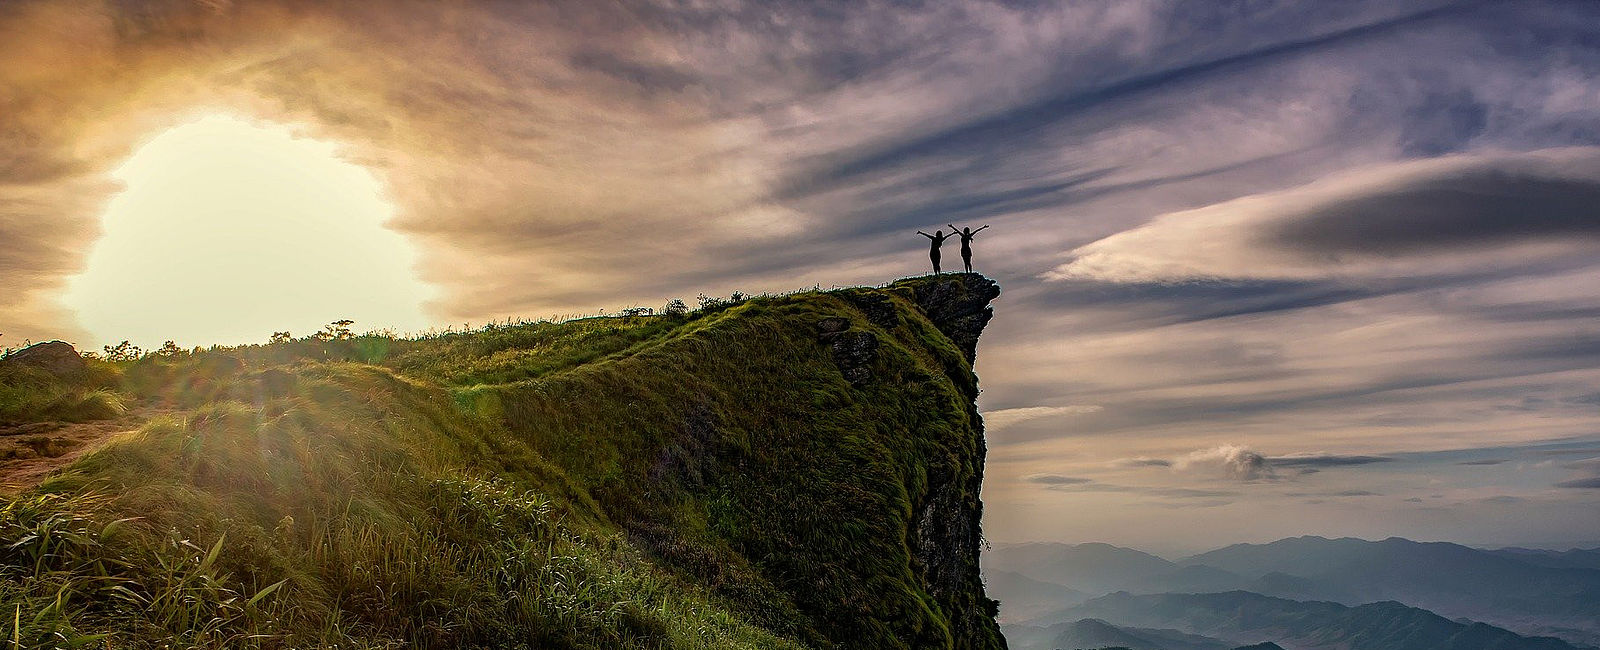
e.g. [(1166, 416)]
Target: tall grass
[(702, 480), (29, 394), (339, 514)]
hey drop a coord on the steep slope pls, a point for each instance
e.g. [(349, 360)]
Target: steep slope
[(793, 471), (1242, 617)]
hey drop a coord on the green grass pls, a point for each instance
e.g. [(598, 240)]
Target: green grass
[(29, 394), (701, 481)]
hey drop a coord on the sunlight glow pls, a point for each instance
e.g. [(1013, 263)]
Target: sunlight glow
[(229, 230)]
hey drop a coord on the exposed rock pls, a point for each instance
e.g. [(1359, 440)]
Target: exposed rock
[(879, 308), (957, 303), (55, 357), (832, 325), (947, 536), (854, 353)]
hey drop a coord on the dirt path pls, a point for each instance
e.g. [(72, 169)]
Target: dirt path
[(30, 452)]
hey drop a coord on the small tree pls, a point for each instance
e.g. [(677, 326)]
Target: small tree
[(338, 330), (169, 349), (123, 351), (675, 307), (279, 337), (709, 303)]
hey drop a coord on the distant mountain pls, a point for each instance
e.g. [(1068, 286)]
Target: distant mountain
[(1094, 568), (1516, 590), (1261, 646), (1102, 568), (1023, 598), (1243, 617), (1577, 558), (1284, 585), (1095, 633)]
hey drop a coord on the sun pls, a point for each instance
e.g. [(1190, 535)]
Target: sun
[(228, 230)]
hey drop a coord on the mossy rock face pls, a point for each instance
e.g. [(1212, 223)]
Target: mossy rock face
[(789, 471)]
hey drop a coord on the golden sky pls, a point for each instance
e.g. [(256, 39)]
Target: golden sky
[(1245, 246)]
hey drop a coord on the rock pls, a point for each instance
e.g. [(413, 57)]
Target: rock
[(957, 303), (853, 353), (55, 357), (879, 308), (832, 325)]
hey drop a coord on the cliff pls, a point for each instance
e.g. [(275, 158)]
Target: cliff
[(789, 471)]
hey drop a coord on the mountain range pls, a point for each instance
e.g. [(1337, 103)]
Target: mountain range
[(1525, 591), (1223, 620)]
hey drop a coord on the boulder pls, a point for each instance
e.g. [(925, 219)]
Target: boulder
[(58, 358)]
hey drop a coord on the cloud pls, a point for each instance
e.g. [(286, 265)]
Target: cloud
[(1448, 214), (1336, 493), (1054, 479), (1070, 484), (1242, 463), (563, 156), (1232, 460), (1320, 459), (1486, 461), (1142, 461), (1590, 478), (1003, 418)]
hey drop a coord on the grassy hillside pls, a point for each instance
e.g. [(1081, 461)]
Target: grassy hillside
[(785, 472)]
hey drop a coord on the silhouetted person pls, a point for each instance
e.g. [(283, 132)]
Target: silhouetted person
[(966, 235), (938, 237)]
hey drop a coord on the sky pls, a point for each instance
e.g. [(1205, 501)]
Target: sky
[(1271, 267)]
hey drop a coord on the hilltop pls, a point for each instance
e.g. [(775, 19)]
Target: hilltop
[(778, 472)]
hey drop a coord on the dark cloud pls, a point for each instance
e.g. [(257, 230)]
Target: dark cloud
[(1436, 219), (1013, 126), (1589, 468), (1486, 461), (1054, 479), (1082, 485), (1470, 208), (1144, 462), (1324, 460)]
